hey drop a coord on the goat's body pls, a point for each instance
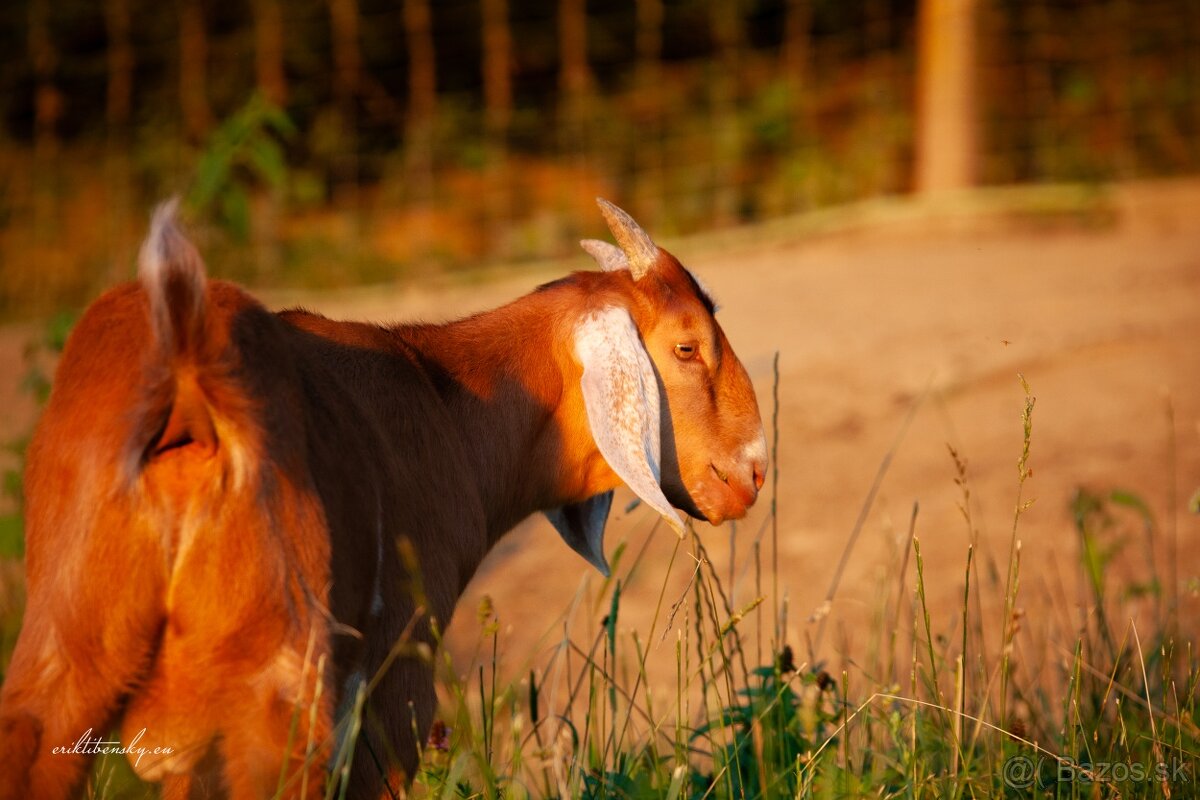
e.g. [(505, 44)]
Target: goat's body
[(213, 586), (234, 517)]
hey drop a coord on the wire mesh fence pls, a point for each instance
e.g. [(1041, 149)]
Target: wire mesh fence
[(456, 132)]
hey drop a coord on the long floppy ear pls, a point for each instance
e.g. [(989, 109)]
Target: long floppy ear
[(608, 256), (581, 526), (620, 392)]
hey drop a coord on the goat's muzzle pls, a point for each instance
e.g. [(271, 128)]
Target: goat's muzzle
[(731, 486)]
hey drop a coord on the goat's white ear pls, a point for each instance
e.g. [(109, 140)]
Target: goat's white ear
[(610, 257), (581, 526), (620, 392)]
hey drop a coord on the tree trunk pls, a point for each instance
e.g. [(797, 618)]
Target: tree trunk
[(422, 99), (120, 65), (574, 77), (47, 108), (267, 202), (497, 115), (727, 31), (946, 147), (118, 109), (797, 24), (648, 88), (497, 65), (268, 51), (193, 70), (878, 31), (1117, 34), (796, 57), (1038, 116), (347, 68)]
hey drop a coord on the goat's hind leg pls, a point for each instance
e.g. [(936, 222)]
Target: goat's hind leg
[(60, 690), (398, 710), (277, 743)]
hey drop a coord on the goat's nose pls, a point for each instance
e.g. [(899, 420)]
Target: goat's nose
[(754, 463), (747, 479)]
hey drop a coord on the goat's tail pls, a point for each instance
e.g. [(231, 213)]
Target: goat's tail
[(173, 277), (172, 274)]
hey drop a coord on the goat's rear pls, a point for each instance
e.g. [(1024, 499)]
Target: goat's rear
[(155, 552)]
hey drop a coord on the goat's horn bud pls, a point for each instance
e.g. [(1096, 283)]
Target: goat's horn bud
[(639, 248)]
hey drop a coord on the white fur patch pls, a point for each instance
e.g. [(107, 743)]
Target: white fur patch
[(755, 452), (239, 460), (286, 673), (168, 251), (620, 392)]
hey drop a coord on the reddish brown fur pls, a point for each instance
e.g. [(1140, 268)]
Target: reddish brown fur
[(207, 524)]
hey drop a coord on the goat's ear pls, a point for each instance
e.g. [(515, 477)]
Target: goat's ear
[(608, 256), (581, 526), (621, 395)]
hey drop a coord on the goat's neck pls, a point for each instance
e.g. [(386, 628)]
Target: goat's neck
[(505, 378)]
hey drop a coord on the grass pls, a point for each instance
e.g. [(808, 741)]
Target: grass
[(931, 713), (1097, 705)]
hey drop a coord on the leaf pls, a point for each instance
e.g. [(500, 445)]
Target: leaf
[(211, 174), (37, 384), (676, 782), (610, 622), (736, 715), (1150, 588), (12, 536), (13, 484), (58, 328), (266, 158), (235, 210), (533, 698), (1135, 502), (243, 152)]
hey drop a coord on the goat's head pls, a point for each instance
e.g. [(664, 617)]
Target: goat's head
[(669, 404)]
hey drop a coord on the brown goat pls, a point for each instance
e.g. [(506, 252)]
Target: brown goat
[(220, 500)]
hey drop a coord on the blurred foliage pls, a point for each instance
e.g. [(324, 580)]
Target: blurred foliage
[(38, 356), (346, 178), (780, 718), (244, 153)]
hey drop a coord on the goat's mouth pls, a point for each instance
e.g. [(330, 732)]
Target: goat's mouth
[(714, 497)]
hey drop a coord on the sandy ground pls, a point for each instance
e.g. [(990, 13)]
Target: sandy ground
[(1104, 323)]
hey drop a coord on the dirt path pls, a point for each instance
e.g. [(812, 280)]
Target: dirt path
[(1104, 324)]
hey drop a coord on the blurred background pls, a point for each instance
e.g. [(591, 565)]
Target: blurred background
[(901, 205), (335, 142)]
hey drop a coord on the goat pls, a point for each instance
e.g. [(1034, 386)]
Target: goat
[(219, 499)]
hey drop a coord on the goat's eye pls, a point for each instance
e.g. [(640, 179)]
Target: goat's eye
[(685, 351)]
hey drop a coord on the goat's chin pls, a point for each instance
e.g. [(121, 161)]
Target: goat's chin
[(717, 516), (712, 501), (681, 498)]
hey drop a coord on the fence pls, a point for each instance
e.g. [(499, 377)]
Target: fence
[(462, 131)]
